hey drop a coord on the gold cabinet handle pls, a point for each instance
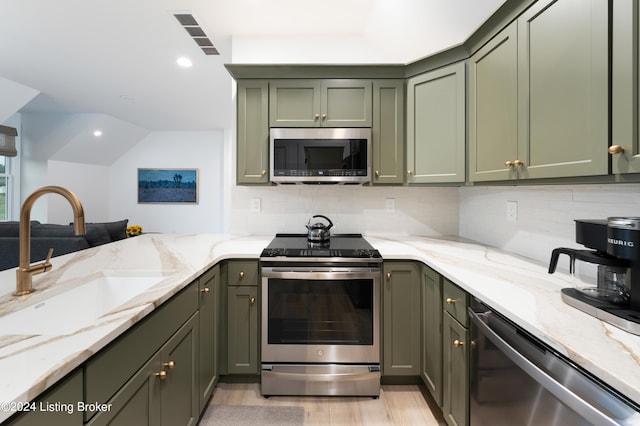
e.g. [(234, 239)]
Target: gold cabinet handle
[(170, 365), (458, 344), (615, 149), (241, 274), (388, 275), (450, 301), (508, 163), (252, 300), (518, 163), (205, 290), (162, 375), (264, 172)]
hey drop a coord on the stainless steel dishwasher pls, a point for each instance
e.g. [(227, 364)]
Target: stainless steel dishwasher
[(515, 379)]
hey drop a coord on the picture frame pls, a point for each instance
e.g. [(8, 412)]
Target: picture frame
[(167, 186)]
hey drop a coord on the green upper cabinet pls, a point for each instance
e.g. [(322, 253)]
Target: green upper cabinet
[(253, 132), (493, 108), (538, 95), (563, 89), (388, 131), (625, 115), (320, 103), (436, 126)]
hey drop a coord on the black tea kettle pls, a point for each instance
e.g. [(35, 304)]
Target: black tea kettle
[(319, 232)]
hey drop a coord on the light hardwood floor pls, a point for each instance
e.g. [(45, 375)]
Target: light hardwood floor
[(397, 405)]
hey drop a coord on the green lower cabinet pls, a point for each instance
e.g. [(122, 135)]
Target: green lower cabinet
[(242, 330), (164, 391), (209, 308), (455, 404), (58, 407), (401, 319), (432, 332)]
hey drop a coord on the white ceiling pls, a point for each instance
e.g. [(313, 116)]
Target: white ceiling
[(117, 57)]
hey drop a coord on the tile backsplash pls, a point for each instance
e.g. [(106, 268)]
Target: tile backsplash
[(287, 208), (545, 214)]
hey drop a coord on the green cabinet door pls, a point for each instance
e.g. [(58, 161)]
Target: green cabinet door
[(625, 106), (242, 330), (436, 126), (320, 103), (57, 407), (455, 404), (432, 332), (388, 131), (401, 319), (179, 397), (208, 345), (253, 132), (493, 108), (563, 89)]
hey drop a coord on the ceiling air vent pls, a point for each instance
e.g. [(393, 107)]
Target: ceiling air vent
[(196, 32)]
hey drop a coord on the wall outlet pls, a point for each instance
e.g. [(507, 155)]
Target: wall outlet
[(512, 211), (390, 205), (255, 205)]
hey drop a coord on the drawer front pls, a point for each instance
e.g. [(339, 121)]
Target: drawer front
[(455, 301), (242, 272)]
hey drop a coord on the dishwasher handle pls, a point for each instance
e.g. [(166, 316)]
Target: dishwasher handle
[(565, 395)]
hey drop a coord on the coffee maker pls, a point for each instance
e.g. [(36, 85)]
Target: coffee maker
[(613, 292)]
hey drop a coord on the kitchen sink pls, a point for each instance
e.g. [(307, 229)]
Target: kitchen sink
[(79, 306)]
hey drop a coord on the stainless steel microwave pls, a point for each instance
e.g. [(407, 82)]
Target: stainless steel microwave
[(320, 155)]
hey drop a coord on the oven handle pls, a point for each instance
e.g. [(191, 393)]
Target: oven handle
[(565, 395), (320, 274)]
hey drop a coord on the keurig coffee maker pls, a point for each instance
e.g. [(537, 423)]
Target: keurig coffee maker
[(606, 278)]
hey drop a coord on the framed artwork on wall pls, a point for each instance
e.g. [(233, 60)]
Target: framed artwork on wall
[(168, 186)]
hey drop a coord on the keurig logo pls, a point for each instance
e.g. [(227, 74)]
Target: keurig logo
[(622, 243)]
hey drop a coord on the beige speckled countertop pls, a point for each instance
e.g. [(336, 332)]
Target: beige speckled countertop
[(515, 286)]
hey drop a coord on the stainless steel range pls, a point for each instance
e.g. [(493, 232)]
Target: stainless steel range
[(320, 316)]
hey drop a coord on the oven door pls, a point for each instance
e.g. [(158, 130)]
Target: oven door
[(320, 315)]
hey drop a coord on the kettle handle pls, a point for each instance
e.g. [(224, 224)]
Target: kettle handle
[(324, 217), (556, 253)]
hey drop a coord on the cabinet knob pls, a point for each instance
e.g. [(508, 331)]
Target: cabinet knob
[(508, 163), (377, 173), (450, 301), (409, 172), (324, 116), (264, 172), (615, 149), (458, 344), (241, 274), (205, 290), (317, 116), (170, 364), (162, 375), (518, 163), (252, 300), (388, 275)]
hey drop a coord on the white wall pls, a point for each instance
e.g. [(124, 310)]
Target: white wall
[(545, 214), (89, 182), (199, 150)]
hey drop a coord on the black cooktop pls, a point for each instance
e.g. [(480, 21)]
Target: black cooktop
[(339, 245)]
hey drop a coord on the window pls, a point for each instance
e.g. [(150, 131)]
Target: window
[(5, 180)]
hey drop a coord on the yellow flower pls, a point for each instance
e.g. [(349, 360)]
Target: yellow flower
[(134, 230)]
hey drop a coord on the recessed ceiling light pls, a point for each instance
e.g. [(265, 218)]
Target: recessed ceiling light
[(97, 133), (184, 62)]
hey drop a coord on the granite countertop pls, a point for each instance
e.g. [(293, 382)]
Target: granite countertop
[(515, 286)]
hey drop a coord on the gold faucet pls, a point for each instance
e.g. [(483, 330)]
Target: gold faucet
[(26, 271)]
